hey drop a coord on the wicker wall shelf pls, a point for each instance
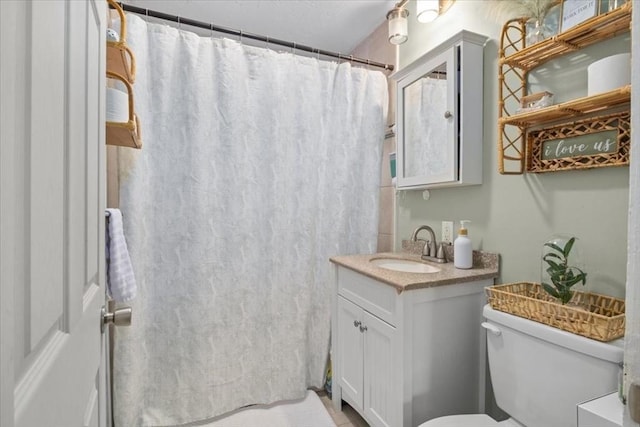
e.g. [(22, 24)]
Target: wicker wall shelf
[(121, 66), (591, 31), (125, 134), (516, 60), (121, 60), (576, 107)]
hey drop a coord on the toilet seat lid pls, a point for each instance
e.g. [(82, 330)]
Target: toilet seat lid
[(475, 420)]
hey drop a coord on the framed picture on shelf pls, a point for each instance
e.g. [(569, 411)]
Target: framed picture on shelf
[(577, 11)]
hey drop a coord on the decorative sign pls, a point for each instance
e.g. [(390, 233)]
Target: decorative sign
[(577, 11), (591, 143), (583, 145)]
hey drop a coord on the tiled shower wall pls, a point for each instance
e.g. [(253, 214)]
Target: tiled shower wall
[(377, 48)]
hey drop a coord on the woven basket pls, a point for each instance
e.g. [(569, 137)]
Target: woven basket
[(602, 317)]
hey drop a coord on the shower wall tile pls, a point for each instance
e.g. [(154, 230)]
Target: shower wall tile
[(385, 243), (391, 117), (386, 210), (113, 185)]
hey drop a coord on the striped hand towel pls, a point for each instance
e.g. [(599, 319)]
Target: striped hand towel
[(121, 283)]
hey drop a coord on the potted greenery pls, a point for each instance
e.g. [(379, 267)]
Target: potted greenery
[(561, 275)]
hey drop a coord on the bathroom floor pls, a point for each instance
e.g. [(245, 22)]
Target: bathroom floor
[(347, 418)]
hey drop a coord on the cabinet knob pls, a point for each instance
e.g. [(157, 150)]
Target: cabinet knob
[(363, 328), (357, 323), (447, 115)]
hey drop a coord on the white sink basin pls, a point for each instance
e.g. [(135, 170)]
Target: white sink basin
[(404, 265)]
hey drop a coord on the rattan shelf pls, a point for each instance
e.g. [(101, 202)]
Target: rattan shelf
[(576, 107), (591, 31), (121, 60), (121, 66), (126, 134), (516, 60)]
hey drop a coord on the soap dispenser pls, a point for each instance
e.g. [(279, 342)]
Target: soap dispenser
[(462, 250)]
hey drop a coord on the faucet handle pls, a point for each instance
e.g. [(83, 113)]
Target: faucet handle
[(440, 254), (432, 248)]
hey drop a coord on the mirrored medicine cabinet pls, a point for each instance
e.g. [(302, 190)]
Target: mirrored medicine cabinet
[(439, 115)]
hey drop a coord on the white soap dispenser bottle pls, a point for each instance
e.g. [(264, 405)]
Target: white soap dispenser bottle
[(462, 250)]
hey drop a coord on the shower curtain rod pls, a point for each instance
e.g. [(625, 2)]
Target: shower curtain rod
[(242, 34)]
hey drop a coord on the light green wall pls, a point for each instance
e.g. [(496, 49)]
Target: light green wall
[(514, 215)]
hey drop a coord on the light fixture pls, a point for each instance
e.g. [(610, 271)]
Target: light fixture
[(398, 25), (427, 10)]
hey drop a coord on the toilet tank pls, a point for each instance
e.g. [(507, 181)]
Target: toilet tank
[(540, 373)]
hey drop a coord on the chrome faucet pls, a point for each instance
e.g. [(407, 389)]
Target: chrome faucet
[(429, 252)]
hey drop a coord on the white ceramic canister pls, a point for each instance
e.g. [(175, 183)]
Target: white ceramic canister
[(609, 73)]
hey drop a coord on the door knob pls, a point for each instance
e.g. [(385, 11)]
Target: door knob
[(119, 317)]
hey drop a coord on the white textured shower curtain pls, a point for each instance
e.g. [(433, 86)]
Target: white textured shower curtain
[(257, 166)]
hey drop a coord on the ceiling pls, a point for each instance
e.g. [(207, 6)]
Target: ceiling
[(335, 25)]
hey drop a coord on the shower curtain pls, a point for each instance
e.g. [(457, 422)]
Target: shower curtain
[(257, 166)]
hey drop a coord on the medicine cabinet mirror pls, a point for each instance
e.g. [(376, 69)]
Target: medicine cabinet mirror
[(439, 116)]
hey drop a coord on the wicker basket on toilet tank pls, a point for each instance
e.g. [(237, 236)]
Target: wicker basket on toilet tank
[(595, 316)]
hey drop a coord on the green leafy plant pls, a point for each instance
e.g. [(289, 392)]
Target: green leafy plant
[(561, 274)]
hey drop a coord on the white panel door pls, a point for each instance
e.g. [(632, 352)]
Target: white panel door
[(350, 341), (381, 397), (52, 192)]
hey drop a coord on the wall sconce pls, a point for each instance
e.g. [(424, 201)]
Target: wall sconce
[(428, 10), (398, 25)]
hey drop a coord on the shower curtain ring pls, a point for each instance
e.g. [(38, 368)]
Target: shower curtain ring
[(211, 28), (266, 45), (179, 27), (240, 39), (293, 48)]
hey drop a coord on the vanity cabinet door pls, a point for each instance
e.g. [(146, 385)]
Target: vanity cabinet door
[(351, 344), (381, 398), (366, 358)]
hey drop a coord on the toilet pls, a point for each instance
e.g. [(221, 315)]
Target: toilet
[(540, 373)]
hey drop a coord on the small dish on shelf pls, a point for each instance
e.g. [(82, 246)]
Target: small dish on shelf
[(535, 101)]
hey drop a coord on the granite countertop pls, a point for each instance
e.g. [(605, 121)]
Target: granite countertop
[(485, 266)]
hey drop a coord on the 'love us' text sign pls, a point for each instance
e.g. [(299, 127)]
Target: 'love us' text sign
[(590, 143), (583, 145)]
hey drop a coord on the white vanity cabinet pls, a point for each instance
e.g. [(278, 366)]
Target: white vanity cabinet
[(439, 115), (367, 342), (401, 358)]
